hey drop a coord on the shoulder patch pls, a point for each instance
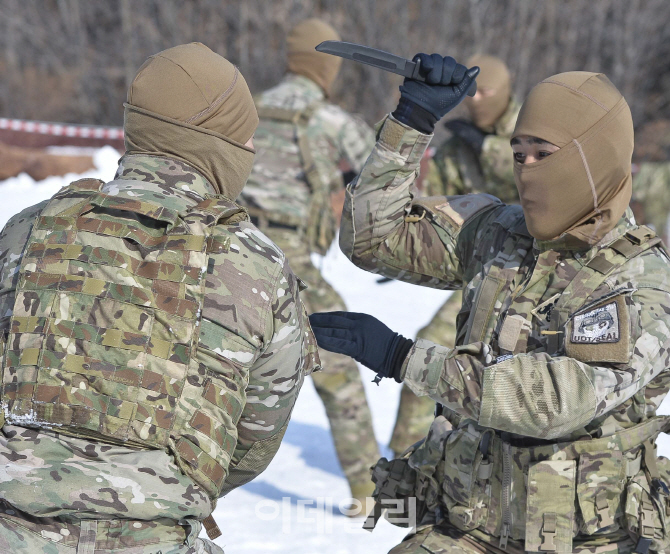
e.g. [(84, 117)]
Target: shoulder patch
[(600, 325), (600, 333)]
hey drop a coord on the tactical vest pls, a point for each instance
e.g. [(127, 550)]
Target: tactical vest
[(102, 342), (605, 484), (320, 225)]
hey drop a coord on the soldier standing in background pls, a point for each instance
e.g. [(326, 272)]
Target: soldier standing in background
[(651, 194), (306, 149), (545, 435), (477, 158), (154, 341)]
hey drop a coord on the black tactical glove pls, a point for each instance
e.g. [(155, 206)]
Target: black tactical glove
[(422, 105), (468, 132), (364, 338)]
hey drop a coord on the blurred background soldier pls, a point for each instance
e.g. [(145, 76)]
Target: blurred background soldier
[(159, 387), (476, 158), (307, 149), (651, 175)]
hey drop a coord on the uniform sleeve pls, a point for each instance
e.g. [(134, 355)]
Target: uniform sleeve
[(384, 230), (539, 395), (275, 380)]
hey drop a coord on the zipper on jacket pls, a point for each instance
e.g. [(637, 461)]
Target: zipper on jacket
[(506, 493)]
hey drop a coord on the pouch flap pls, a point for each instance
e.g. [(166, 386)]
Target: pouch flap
[(550, 508), (600, 484)]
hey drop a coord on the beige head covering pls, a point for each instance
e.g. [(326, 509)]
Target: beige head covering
[(189, 103), (584, 188), (494, 75), (304, 60)]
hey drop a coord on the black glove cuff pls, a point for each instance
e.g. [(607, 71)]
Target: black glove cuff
[(402, 348), (415, 116)]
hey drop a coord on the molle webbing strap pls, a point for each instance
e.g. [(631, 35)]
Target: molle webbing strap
[(594, 273), (57, 255), (486, 299), (154, 211), (625, 440), (211, 528), (279, 114), (496, 279)]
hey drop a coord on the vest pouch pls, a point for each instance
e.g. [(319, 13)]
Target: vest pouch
[(600, 484), (463, 486), (550, 506), (647, 512), (394, 494), (428, 461)]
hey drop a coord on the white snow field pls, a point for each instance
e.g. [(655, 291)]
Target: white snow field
[(297, 504)]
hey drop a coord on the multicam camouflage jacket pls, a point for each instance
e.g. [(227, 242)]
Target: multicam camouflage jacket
[(149, 315), (456, 168), (651, 188), (280, 187), (556, 344)]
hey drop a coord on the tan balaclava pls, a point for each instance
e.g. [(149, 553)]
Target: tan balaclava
[(191, 104), (304, 60), (494, 75), (582, 189)]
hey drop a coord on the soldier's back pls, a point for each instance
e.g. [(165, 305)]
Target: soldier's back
[(143, 315)]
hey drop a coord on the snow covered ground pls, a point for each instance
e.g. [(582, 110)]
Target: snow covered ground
[(297, 505)]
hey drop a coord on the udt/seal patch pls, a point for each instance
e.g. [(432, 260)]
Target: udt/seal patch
[(600, 325), (601, 334)]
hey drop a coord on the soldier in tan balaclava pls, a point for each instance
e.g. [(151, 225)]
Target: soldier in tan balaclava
[(157, 342), (544, 437)]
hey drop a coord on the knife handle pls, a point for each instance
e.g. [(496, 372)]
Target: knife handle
[(416, 76)]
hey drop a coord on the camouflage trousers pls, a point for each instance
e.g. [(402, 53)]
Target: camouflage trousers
[(445, 539), (339, 383), (416, 413), (24, 534)]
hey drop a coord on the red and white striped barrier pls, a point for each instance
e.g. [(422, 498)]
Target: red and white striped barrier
[(62, 129)]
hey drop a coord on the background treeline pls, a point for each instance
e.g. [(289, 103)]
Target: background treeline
[(71, 60)]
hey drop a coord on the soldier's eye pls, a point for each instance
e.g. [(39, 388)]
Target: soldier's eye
[(519, 157), (543, 154)]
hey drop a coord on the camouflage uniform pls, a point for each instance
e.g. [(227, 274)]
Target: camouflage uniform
[(651, 189), (548, 404), (456, 169), (116, 490), (300, 220)]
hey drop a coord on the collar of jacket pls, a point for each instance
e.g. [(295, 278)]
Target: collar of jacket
[(163, 171), (567, 243)]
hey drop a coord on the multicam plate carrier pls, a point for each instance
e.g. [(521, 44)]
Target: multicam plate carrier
[(102, 339)]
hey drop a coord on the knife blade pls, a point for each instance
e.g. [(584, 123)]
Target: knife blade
[(377, 58)]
